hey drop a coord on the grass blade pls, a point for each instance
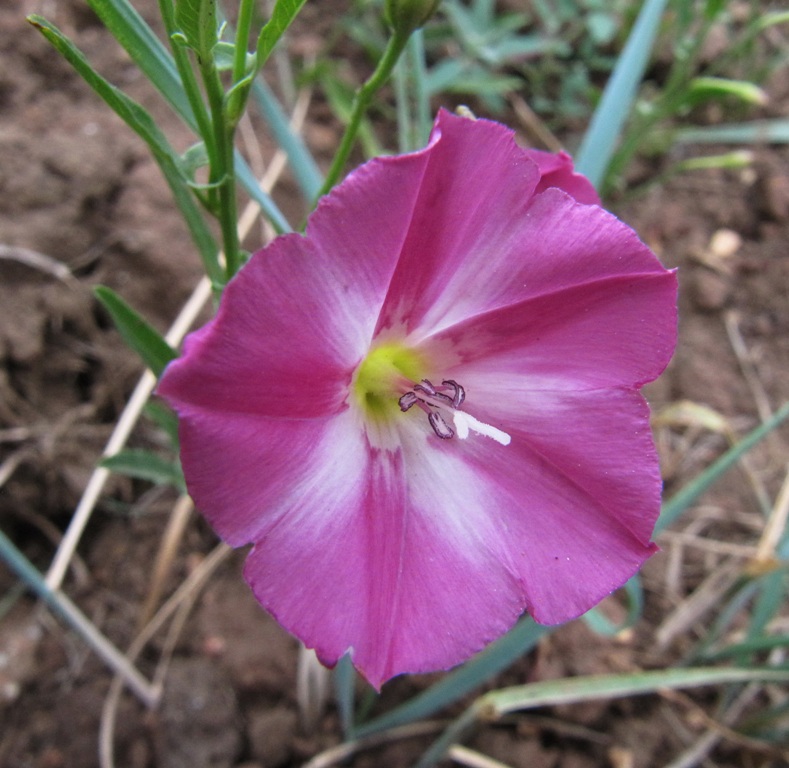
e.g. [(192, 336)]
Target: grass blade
[(615, 106), (681, 500), (496, 704), (754, 132), (146, 50)]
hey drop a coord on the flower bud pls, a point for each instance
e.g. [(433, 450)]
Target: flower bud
[(404, 16)]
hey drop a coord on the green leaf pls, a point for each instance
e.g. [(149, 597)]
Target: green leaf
[(681, 500), (748, 647), (148, 53), (164, 418), (136, 332), (224, 54), (616, 104), (146, 50), (144, 126), (755, 132), (145, 465), (344, 686), (703, 89), (604, 626), (283, 14), (305, 170), (771, 598), (193, 159), (496, 704), (574, 689), (197, 20)]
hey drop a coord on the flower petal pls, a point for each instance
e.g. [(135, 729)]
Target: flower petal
[(294, 323), (433, 550), (476, 185), (577, 489), (557, 171), (481, 239), (243, 470), (396, 578), (618, 330)]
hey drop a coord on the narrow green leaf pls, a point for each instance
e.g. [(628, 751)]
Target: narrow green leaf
[(150, 55), (731, 160), (575, 689), (768, 20), (281, 17), (144, 465), (144, 126), (569, 690), (748, 648), (771, 599), (703, 89), (146, 50), (344, 687), (164, 418), (681, 500), (754, 132), (136, 332), (197, 21), (224, 55), (305, 169), (616, 104), (604, 626)]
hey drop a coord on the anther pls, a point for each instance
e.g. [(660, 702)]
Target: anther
[(407, 400), (440, 427), (460, 393), (426, 387)]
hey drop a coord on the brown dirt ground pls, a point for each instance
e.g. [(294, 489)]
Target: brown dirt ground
[(77, 186)]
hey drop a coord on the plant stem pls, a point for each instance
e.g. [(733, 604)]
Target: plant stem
[(191, 87), (361, 102), (416, 50), (223, 171), (245, 13), (236, 97)]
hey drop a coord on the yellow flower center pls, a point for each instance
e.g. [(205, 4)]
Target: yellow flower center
[(383, 376)]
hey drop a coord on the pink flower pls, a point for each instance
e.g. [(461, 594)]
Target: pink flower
[(424, 414)]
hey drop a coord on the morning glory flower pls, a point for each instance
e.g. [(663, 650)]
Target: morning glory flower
[(424, 413)]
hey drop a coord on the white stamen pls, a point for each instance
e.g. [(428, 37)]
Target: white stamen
[(465, 422)]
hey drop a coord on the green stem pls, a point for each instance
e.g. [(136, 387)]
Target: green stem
[(236, 98), (403, 106), (223, 171), (245, 13), (361, 102), (416, 49), (191, 87)]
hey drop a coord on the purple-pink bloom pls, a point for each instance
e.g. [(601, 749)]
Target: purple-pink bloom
[(424, 414)]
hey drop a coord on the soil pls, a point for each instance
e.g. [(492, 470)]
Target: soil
[(82, 204)]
